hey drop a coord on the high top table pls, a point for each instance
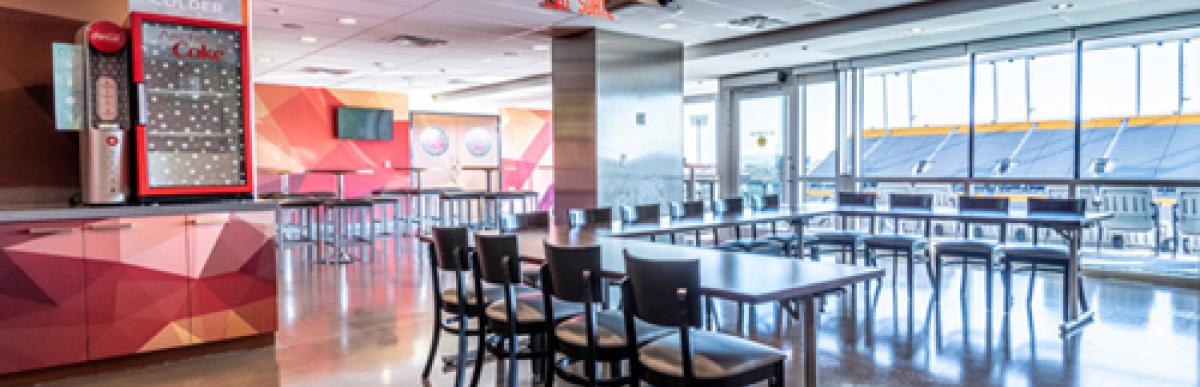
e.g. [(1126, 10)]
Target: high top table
[(488, 171), (340, 175)]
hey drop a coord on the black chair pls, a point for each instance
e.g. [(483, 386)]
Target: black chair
[(1057, 257), (970, 248), (449, 253), (590, 217), (898, 243), (641, 214), (688, 211), (735, 207), (665, 292), (844, 241), (573, 274), (515, 310), (525, 221), (787, 239)]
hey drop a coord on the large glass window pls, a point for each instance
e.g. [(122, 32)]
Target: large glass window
[(1109, 82), (700, 133), (1191, 76), (820, 126), (926, 120), (1051, 87), (1159, 78)]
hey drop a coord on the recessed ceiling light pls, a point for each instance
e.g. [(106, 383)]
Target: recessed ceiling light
[(292, 26), (347, 21), (486, 60), (1061, 6), (667, 26), (275, 10), (308, 39), (916, 30), (265, 59), (541, 47)]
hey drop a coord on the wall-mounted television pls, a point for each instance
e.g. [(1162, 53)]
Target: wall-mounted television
[(357, 123)]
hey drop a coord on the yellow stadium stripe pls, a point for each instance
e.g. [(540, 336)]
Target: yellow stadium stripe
[(1102, 123), (1002, 127), (1055, 125)]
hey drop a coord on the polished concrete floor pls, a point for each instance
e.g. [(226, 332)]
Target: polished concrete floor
[(369, 324)]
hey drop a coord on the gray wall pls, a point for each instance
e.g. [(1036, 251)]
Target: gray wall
[(634, 162)]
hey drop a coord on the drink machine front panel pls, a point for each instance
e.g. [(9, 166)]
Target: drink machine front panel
[(193, 136), (104, 155)]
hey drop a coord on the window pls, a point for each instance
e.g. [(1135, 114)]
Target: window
[(820, 126), (1012, 103), (1159, 78), (1052, 87), (873, 116), (1109, 82), (1191, 76), (699, 133), (926, 120)]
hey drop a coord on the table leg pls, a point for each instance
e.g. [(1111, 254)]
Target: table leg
[(283, 183), (340, 181), (810, 343), (1072, 319)]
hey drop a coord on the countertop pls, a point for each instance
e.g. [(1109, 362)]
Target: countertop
[(34, 212)]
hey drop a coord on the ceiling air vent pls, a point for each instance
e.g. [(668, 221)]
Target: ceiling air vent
[(325, 71), (407, 40), (754, 23)]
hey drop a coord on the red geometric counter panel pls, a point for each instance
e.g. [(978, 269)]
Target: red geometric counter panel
[(42, 320), (232, 270), (137, 285)]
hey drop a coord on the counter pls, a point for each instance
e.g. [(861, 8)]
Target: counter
[(89, 283)]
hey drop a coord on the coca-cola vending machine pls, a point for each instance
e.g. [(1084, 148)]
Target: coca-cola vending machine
[(192, 138), (103, 153)]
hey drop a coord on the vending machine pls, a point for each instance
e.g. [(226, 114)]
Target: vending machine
[(192, 138), (104, 154)]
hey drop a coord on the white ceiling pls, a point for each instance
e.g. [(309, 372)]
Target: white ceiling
[(493, 40), (489, 40)]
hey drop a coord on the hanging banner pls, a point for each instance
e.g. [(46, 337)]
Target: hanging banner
[(227, 11), (68, 86)]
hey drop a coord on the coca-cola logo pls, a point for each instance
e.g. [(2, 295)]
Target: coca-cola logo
[(184, 50), (106, 36)]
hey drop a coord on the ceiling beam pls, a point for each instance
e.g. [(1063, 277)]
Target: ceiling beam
[(536, 80)]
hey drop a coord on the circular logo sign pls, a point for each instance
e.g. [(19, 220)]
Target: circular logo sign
[(434, 141), (112, 140), (479, 142), (106, 36)]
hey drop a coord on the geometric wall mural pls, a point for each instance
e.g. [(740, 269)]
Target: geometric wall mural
[(528, 158), (295, 130)]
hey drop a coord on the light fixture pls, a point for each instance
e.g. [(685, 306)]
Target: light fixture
[(667, 26), (486, 60), (1061, 6), (308, 39), (347, 21), (265, 59), (916, 30), (541, 47)]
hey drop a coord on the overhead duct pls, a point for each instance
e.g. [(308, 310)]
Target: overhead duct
[(532, 81)]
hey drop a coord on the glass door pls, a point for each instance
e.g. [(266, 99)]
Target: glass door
[(760, 124), (818, 134)]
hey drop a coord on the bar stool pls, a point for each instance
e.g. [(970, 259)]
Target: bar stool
[(461, 208), (970, 250), (898, 243), (497, 204), (297, 214), (1057, 257), (844, 241), (386, 211), (350, 223)]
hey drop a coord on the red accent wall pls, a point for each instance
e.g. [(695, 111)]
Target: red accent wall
[(296, 130)]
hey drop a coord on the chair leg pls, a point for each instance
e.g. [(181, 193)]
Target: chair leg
[(461, 372), (437, 334), (1032, 277), (910, 274), (1082, 296), (480, 350), (895, 269), (965, 274), (513, 365), (987, 280), (1006, 277), (937, 277)]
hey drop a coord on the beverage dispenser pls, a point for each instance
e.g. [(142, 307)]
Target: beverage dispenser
[(104, 155)]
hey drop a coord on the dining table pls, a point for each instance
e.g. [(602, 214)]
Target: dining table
[(340, 177)]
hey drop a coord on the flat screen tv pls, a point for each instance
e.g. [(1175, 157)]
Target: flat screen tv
[(356, 123)]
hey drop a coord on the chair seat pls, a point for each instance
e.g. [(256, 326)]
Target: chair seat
[(531, 309), (490, 294), (968, 247), (610, 330), (1031, 252), (714, 355), (904, 242), (842, 237)]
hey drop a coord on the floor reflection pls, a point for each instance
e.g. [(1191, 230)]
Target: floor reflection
[(368, 323)]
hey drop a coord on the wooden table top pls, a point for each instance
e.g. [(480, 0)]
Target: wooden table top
[(480, 168)]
